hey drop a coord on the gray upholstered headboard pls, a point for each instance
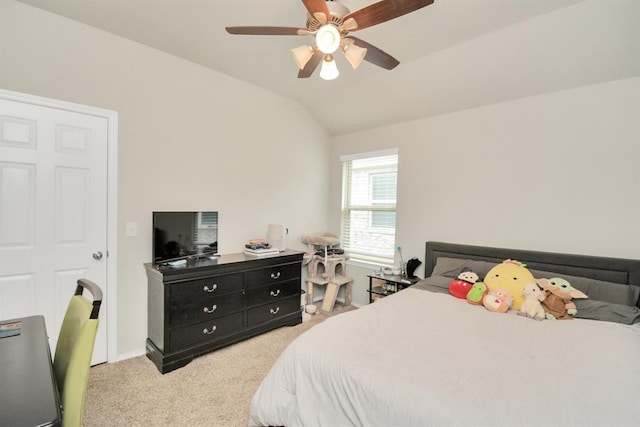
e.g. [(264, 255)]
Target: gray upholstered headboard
[(617, 270)]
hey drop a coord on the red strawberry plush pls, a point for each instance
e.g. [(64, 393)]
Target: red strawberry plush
[(461, 286)]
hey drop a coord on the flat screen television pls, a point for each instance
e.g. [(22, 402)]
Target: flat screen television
[(184, 234)]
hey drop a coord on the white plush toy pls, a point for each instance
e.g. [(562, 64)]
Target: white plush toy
[(531, 306)]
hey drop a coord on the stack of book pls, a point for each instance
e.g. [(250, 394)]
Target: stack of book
[(259, 247)]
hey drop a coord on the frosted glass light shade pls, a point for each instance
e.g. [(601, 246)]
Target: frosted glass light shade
[(354, 54), (302, 55), (329, 70), (328, 38)]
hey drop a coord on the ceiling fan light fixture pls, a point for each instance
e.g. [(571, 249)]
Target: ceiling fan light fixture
[(302, 55), (350, 25), (354, 54), (330, 22), (329, 70), (328, 38)]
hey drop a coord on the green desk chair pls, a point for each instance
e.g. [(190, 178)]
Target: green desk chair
[(74, 350)]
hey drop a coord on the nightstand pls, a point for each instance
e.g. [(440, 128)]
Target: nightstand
[(381, 285)]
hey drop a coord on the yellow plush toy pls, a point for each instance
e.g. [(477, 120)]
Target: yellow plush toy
[(512, 276)]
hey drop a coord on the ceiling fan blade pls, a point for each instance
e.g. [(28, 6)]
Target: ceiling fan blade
[(311, 66), (316, 6), (268, 31), (385, 10), (375, 55)]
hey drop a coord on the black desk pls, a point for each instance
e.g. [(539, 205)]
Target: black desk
[(28, 391)]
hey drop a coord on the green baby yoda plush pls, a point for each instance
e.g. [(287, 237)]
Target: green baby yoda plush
[(558, 302)]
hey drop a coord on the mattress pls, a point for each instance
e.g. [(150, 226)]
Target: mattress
[(419, 358)]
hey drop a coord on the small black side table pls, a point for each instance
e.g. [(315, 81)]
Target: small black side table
[(388, 284)]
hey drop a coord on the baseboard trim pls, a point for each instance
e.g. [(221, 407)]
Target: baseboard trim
[(125, 356)]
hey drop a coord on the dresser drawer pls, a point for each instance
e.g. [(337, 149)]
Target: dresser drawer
[(207, 287), (207, 309), (221, 327), (265, 276), (266, 312), (272, 293)]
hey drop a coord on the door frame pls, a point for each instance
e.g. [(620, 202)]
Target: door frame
[(112, 199)]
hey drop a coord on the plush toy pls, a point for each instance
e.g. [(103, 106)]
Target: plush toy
[(532, 307), (558, 302), (498, 301), (461, 286), (477, 292), (512, 276)]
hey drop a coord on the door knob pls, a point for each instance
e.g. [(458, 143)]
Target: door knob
[(97, 255)]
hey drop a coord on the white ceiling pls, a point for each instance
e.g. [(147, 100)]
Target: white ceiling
[(443, 67)]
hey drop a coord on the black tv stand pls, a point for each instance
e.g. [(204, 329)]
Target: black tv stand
[(187, 261), (212, 302)]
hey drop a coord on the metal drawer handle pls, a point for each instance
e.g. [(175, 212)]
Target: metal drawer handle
[(209, 332), (272, 311), (275, 276), (210, 310), (275, 294), (213, 288)]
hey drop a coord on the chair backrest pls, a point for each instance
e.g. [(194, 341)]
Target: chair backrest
[(74, 351)]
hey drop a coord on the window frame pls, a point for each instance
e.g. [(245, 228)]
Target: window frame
[(368, 254)]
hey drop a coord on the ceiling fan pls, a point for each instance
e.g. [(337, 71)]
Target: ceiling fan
[(330, 22)]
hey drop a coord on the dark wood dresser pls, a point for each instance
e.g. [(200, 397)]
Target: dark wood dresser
[(210, 303)]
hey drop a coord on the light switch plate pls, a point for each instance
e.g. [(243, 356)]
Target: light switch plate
[(132, 229)]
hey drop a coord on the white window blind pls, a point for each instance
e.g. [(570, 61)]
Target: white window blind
[(369, 206)]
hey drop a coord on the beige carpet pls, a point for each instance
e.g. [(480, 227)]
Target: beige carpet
[(213, 390)]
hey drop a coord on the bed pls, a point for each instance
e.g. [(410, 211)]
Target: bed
[(422, 357)]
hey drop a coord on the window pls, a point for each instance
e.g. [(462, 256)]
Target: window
[(369, 186)]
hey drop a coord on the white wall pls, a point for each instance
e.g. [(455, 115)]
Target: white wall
[(189, 139), (552, 172), (557, 172)]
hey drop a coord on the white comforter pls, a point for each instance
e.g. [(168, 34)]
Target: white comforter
[(419, 358)]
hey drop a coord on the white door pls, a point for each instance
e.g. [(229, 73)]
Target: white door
[(53, 212)]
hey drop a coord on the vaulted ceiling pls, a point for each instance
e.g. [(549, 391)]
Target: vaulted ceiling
[(454, 54)]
